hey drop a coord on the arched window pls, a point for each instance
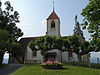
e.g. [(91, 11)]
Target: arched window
[(52, 24)]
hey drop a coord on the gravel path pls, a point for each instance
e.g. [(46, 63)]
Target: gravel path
[(10, 69)]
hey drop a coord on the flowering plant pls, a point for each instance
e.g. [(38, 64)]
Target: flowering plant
[(51, 64)]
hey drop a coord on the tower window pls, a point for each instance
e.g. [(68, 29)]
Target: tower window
[(52, 24)]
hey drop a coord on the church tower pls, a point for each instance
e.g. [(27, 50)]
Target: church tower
[(53, 24)]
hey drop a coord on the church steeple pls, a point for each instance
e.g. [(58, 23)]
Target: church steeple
[(53, 15), (53, 6), (53, 24)]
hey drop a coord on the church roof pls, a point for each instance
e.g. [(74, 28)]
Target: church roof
[(53, 15)]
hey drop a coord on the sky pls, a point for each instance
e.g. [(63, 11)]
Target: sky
[(33, 15)]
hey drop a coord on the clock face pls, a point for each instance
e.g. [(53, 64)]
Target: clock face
[(52, 24)]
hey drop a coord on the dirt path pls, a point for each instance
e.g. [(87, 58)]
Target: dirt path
[(10, 69)]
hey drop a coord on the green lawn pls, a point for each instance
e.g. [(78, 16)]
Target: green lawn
[(69, 70)]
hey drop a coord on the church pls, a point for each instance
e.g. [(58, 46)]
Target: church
[(53, 29)]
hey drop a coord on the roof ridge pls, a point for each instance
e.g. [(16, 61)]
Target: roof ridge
[(53, 15)]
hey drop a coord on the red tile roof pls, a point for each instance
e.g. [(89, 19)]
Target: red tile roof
[(53, 15)]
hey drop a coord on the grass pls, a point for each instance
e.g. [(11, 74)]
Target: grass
[(36, 69)]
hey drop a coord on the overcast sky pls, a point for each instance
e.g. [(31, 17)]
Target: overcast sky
[(33, 15)]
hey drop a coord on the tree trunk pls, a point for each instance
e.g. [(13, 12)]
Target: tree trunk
[(9, 60), (61, 57), (79, 57)]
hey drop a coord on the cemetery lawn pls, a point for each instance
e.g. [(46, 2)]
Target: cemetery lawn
[(36, 69)]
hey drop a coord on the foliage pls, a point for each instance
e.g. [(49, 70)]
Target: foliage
[(1, 56), (8, 20), (36, 69), (77, 29), (47, 43), (75, 46), (75, 43), (71, 44), (51, 64), (59, 43), (80, 47), (32, 45), (9, 32), (40, 42), (91, 14), (66, 45), (5, 40), (95, 44), (43, 43), (16, 47), (86, 48)]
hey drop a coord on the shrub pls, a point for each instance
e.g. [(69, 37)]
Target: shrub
[(1, 56), (51, 64)]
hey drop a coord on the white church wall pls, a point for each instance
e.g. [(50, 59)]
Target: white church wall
[(30, 57), (75, 59), (65, 56), (61, 56), (53, 31), (58, 55), (39, 56), (29, 54)]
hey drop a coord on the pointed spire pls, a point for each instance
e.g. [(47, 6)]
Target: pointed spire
[(53, 6), (53, 15), (77, 30), (76, 19)]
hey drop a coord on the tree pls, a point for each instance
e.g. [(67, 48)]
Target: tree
[(91, 14), (86, 47), (95, 45), (8, 44), (4, 38), (40, 42), (66, 46), (60, 43), (1, 55), (33, 47), (14, 51), (8, 21), (77, 30), (75, 46), (9, 32), (80, 47), (47, 43)]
